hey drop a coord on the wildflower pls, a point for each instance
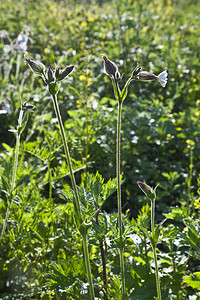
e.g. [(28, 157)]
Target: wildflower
[(22, 41), (162, 78), (190, 143), (110, 67), (147, 76), (197, 204)]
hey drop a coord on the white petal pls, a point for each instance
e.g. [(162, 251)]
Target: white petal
[(162, 78), (162, 82)]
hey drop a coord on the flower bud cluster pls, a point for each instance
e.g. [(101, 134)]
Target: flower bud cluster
[(48, 76), (112, 71)]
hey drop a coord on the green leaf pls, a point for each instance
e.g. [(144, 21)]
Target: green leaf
[(7, 147), (6, 186), (125, 90), (177, 214), (53, 88), (120, 242), (22, 126), (158, 230), (117, 91), (84, 229), (193, 280)]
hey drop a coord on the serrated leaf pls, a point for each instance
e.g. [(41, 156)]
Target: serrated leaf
[(176, 214), (158, 230), (193, 280)]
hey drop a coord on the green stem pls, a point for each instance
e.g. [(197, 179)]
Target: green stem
[(157, 275), (12, 186), (87, 264), (62, 131), (119, 200), (77, 201), (152, 217), (154, 249)]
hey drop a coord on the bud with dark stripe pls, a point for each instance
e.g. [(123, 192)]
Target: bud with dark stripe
[(147, 190), (61, 74), (110, 67), (37, 67)]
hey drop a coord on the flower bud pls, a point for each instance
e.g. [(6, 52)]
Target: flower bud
[(110, 67), (135, 72), (64, 73), (146, 76), (50, 76), (27, 106), (147, 190), (37, 67), (57, 71)]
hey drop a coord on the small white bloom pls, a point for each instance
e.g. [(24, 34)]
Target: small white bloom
[(162, 78), (22, 41)]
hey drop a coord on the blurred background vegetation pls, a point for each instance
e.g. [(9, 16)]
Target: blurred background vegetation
[(160, 127)]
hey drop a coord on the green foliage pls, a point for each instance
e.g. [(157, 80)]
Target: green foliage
[(41, 254)]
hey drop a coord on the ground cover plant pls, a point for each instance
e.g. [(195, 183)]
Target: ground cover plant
[(75, 223)]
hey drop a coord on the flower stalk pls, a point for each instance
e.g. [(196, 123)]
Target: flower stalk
[(22, 121), (10, 202), (119, 201), (112, 71), (51, 78), (151, 194)]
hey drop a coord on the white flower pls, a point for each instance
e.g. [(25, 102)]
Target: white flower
[(22, 42), (162, 78)]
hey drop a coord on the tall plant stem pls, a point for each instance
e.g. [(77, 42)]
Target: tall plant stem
[(152, 217), (119, 198), (12, 184), (87, 265), (103, 258), (157, 275), (64, 140), (154, 249), (76, 196)]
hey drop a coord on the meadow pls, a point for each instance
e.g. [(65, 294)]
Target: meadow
[(99, 159)]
